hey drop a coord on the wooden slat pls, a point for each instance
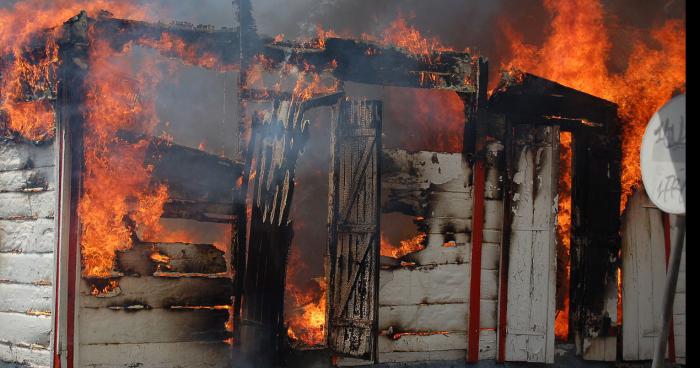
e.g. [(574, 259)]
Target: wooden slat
[(162, 292), (643, 276), (354, 255), (431, 342), (447, 283), (183, 258), (423, 356), (475, 273), (424, 317), (215, 354), (105, 326)]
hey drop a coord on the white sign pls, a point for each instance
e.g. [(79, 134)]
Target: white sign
[(663, 157)]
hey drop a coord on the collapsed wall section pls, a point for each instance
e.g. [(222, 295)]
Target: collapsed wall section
[(27, 203)]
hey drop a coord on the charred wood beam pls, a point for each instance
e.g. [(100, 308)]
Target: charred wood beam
[(201, 186), (524, 94), (201, 40), (192, 174), (355, 61)]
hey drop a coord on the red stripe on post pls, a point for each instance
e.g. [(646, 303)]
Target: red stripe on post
[(667, 246), (475, 282)]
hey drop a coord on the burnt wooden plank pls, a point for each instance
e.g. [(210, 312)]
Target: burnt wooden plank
[(105, 326), (278, 138), (161, 292), (522, 94), (595, 231), (147, 258), (354, 256)]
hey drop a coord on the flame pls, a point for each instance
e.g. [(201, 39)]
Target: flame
[(412, 245), (561, 322), (189, 53), (117, 198), (28, 83), (404, 36), (305, 312), (575, 54)]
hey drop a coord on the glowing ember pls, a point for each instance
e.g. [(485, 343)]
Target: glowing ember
[(412, 245), (561, 322), (575, 55)]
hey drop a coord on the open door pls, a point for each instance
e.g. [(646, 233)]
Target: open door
[(353, 252)]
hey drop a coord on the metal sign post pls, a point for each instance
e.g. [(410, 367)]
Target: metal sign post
[(662, 159)]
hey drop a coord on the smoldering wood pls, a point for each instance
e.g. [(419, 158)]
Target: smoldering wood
[(354, 250), (159, 292), (278, 138), (525, 95), (357, 61), (181, 258), (595, 237)]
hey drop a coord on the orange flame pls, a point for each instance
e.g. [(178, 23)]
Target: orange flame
[(305, 314), (412, 245), (116, 184), (575, 54), (561, 322), (20, 24)]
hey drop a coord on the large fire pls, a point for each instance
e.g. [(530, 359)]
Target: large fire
[(576, 53), (27, 85), (118, 198)]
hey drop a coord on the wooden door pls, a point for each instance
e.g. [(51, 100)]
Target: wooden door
[(354, 229), (533, 175)]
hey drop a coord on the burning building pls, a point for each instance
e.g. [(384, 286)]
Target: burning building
[(456, 221)]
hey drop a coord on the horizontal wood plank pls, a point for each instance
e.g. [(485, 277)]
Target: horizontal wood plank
[(214, 354), (105, 326), (424, 285), (162, 292), (424, 317)]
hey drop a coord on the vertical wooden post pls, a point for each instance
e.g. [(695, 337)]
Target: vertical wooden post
[(667, 247), (475, 274), (73, 49)]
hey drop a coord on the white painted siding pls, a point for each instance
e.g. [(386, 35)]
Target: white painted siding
[(27, 201)]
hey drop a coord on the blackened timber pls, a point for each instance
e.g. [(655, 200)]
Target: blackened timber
[(595, 237), (529, 95), (354, 255), (277, 140), (201, 40), (366, 62), (201, 186), (351, 60)]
